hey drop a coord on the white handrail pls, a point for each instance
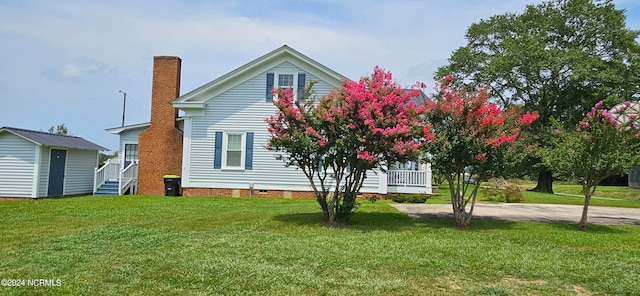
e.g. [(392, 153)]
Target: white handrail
[(407, 178), (108, 171), (129, 174)]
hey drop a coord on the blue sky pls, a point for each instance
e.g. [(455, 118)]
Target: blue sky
[(65, 61)]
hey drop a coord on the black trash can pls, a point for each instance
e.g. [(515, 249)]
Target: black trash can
[(171, 185)]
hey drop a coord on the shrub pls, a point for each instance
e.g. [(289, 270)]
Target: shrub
[(492, 194), (410, 198), (513, 193)]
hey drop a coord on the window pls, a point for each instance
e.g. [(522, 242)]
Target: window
[(233, 151), (285, 81), (130, 153), (296, 81)]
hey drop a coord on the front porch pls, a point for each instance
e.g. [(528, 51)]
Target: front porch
[(110, 180), (414, 179)]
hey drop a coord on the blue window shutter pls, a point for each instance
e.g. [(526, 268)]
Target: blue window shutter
[(217, 156), (301, 83), (269, 87), (248, 161)]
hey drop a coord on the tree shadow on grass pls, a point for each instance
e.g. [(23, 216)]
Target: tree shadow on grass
[(378, 221), (591, 228), (367, 221)]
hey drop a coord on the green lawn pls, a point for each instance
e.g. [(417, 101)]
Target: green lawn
[(207, 246), (608, 196)]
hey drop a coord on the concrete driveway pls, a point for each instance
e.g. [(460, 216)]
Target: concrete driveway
[(526, 212)]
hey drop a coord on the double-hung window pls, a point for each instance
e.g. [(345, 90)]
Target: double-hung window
[(130, 153), (294, 80), (233, 150), (286, 81)]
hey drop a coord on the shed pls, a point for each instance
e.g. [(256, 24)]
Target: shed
[(37, 164)]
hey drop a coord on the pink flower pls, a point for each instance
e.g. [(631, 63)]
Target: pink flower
[(557, 132), (481, 157), (364, 155), (448, 79), (598, 105), (584, 124), (323, 142), (529, 118)]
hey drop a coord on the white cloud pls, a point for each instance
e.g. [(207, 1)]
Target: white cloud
[(77, 69), (95, 48)]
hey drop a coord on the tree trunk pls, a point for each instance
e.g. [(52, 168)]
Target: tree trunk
[(460, 216), (545, 182), (587, 200)]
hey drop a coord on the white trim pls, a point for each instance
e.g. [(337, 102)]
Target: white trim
[(120, 129), (19, 136), (294, 87), (243, 150), (186, 151), (383, 187), (122, 151), (197, 98), (36, 171)]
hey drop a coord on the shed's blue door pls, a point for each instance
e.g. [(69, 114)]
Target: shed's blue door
[(56, 172)]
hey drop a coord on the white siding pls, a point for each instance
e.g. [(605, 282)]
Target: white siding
[(43, 184), (17, 158), (244, 109), (79, 171), (128, 137)]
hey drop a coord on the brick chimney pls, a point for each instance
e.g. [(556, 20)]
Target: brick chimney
[(160, 145)]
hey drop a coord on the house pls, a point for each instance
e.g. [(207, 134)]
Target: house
[(37, 164), (631, 113), (218, 146)]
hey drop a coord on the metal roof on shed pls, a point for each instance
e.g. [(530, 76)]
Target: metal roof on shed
[(55, 140)]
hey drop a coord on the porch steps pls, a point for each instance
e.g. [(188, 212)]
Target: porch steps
[(109, 188)]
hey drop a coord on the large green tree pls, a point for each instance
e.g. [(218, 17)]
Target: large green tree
[(557, 58)]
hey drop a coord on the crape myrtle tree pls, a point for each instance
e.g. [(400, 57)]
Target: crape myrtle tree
[(557, 58), (603, 144), (337, 140), (467, 136)]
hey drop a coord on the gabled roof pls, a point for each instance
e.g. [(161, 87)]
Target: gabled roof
[(54, 140), (197, 98)]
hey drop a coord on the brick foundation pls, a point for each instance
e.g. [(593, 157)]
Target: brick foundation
[(244, 193)]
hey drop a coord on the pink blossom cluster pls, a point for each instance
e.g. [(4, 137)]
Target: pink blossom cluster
[(600, 115), (477, 118), (470, 118), (379, 114)]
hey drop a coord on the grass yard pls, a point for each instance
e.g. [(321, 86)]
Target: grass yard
[(608, 196), (179, 246)]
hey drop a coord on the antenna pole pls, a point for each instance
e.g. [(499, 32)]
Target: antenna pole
[(124, 104)]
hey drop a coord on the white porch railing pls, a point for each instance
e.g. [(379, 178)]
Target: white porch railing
[(109, 171), (128, 178), (406, 181), (406, 178)]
